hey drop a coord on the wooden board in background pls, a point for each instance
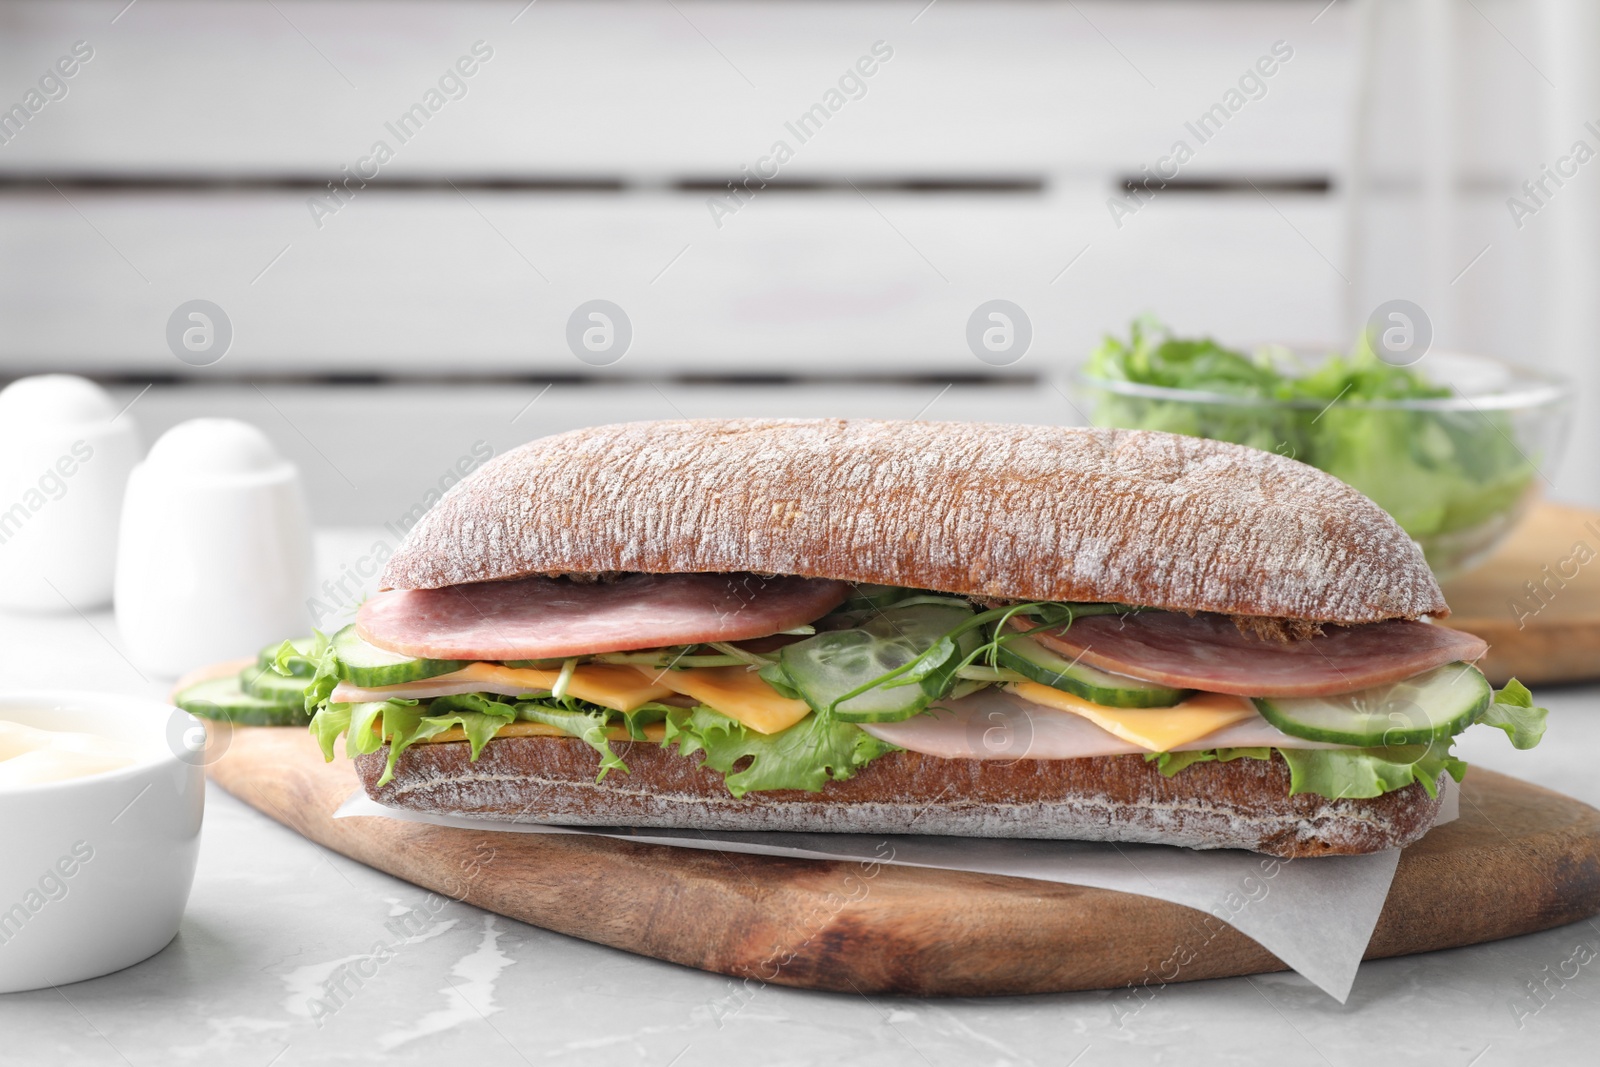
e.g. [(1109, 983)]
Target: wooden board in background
[(1556, 637), (1519, 859)]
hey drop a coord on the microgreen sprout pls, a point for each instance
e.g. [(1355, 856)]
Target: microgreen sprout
[(564, 679), (936, 657), (753, 660)]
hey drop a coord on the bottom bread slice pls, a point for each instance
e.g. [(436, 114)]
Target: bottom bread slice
[(1244, 803)]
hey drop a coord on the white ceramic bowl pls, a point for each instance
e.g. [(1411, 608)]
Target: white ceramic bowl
[(95, 871)]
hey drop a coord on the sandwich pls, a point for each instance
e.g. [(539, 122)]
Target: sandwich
[(910, 628)]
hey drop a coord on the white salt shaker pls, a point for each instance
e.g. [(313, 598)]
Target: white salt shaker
[(215, 559), (65, 454)]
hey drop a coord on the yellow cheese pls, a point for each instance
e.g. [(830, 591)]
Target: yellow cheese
[(653, 731), (618, 688), (736, 692), (1157, 729)]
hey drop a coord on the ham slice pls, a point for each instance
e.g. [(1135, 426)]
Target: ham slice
[(546, 618), (1208, 652), (995, 724)]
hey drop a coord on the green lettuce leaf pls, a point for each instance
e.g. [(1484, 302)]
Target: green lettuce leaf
[(479, 728), (479, 716), (402, 720), (806, 756), (287, 659), (368, 729), (1369, 772), (1514, 711), (1338, 772), (328, 723), (588, 726), (774, 675), (478, 703), (642, 716), (1170, 763), (369, 725), (326, 676)]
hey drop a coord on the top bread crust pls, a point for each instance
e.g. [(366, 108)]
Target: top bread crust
[(978, 509)]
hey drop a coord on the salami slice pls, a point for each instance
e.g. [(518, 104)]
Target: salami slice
[(1208, 652), (546, 618)]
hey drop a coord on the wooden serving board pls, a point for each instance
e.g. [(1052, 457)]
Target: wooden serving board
[(1550, 633), (1519, 859)]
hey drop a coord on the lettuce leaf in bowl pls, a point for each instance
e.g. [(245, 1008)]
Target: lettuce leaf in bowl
[(1437, 471)]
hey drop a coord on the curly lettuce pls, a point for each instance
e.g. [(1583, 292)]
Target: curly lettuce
[(1369, 772), (1514, 711), (367, 727), (586, 723), (806, 756), (1337, 772)]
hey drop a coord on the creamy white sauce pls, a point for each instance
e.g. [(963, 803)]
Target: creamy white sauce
[(31, 756)]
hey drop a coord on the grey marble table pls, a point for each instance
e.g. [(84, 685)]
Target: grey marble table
[(273, 919)]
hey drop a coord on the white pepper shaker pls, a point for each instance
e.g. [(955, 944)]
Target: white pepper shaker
[(214, 560), (65, 454)]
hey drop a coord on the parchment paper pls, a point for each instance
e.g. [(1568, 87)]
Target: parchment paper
[(1316, 915)]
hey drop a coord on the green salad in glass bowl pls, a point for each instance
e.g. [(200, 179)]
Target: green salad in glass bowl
[(1455, 447)]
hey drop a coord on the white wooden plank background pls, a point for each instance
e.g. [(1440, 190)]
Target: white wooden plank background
[(791, 285), (642, 87), (1072, 95)]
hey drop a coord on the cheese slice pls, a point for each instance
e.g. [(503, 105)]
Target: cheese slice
[(737, 692), (1155, 729), (617, 688), (653, 731), (611, 687)]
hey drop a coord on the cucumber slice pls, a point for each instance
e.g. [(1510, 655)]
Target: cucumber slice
[(1432, 706), (826, 667), (225, 699), (535, 664), (263, 683), (1028, 657), (369, 666), (300, 664)]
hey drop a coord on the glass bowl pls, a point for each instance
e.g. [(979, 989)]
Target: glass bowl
[(1457, 473)]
